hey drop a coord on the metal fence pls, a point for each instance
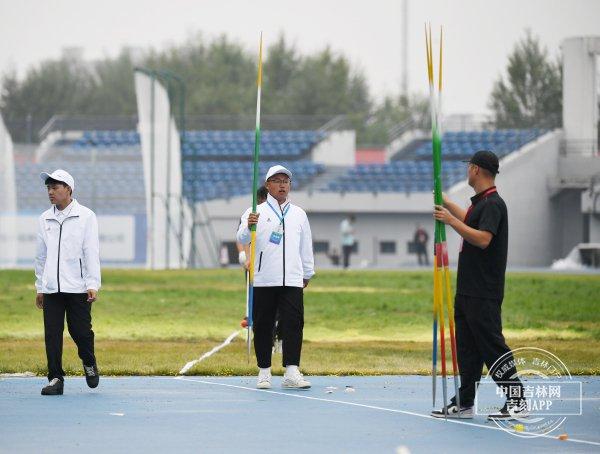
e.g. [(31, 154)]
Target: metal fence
[(193, 122)]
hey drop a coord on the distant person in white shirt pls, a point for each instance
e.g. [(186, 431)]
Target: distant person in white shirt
[(67, 271), (283, 266), (347, 232)]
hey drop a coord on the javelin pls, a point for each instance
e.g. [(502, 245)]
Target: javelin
[(436, 143), (435, 310), (444, 253), (439, 226), (440, 262), (250, 292)]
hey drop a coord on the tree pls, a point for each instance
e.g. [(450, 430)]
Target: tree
[(280, 69), (219, 75), (531, 94), (381, 126), (64, 86), (113, 90)]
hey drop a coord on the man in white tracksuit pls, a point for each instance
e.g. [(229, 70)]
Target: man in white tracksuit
[(67, 271), (282, 268)]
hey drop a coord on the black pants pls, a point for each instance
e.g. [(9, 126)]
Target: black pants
[(346, 251), (422, 256), (277, 328), (79, 323), (289, 302), (479, 341)]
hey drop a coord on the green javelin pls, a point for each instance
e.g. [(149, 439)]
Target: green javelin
[(440, 234), (436, 140), (250, 296), (440, 228)]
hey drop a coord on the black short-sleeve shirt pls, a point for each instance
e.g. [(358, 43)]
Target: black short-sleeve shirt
[(481, 271)]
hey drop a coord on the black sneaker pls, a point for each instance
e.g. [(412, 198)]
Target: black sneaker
[(511, 411), (91, 375), (451, 411), (54, 388)]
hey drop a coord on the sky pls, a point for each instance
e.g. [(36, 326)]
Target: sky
[(478, 35)]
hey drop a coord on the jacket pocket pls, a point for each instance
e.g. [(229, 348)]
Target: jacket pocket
[(260, 261), (81, 268)]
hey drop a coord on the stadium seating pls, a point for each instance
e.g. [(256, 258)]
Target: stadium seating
[(462, 144), (397, 176), (240, 144), (204, 144), (205, 180), (414, 173), (109, 138), (106, 187), (215, 164)]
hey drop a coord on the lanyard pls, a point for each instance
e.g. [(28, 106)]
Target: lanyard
[(483, 196), (284, 212)]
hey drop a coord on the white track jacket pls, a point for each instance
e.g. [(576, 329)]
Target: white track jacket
[(67, 257), (290, 261)]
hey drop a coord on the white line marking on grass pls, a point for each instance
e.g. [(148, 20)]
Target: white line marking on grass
[(18, 375), (227, 341), (373, 407)]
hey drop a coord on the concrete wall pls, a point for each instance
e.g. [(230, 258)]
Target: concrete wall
[(381, 217), (523, 183), (594, 228), (338, 149), (569, 226), (402, 141), (580, 96), (590, 206), (371, 229), (329, 202)]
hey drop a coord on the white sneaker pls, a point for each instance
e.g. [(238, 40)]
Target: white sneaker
[(295, 380), (452, 412), (264, 380)]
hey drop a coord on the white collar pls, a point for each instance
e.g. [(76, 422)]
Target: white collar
[(273, 201), (65, 210), (71, 210)]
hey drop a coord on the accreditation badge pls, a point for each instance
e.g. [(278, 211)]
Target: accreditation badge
[(276, 235)]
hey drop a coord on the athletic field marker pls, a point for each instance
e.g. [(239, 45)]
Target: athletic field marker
[(208, 354)]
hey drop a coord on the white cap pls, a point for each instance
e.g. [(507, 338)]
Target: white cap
[(277, 169), (59, 175)]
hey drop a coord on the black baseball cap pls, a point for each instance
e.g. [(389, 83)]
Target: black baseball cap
[(486, 160)]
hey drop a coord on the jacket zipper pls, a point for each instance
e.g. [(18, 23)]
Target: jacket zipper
[(283, 224), (81, 268), (259, 261), (58, 261)]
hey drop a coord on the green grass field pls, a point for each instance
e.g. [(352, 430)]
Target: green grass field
[(356, 322)]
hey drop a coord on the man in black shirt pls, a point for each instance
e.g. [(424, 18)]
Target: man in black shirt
[(480, 288)]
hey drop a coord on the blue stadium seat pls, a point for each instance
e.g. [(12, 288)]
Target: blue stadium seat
[(416, 175)]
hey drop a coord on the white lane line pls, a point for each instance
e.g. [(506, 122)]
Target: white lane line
[(373, 407), (226, 342)]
